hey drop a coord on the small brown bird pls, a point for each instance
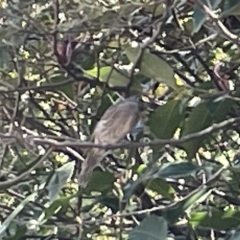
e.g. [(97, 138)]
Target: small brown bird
[(115, 124)]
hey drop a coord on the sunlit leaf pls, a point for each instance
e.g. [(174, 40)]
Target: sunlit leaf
[(109, 75), (216, 219), (152, 66)]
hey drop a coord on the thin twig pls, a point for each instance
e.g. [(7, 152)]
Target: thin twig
[(215, 19), (72, 142), (12, 182)]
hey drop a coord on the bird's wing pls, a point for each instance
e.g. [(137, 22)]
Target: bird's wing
[(117, 121)]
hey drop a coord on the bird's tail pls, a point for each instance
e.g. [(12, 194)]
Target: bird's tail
[(92, 161)]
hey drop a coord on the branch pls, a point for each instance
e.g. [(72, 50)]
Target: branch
[(38, 161), (172, 205), (215, 19), (72, 142)]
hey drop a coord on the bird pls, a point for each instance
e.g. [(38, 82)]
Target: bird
[(118, 120)]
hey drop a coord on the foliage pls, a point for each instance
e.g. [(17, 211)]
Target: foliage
[(63, 63)]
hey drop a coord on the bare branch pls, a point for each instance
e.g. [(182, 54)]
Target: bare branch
[(72, 142)]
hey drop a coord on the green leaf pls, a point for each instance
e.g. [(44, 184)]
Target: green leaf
[(234, 236), (59, 178), (16, 211), (165, 119), (152, 181), (57, 205), (199, 16), (231, 7), (111, 202), (216, 219), (152, 66), (67, 89), (151, 228), (154, 9), (19, 234), (83, 59), (109, 75), (161, 187), (203, 116), (177, 170), (172, 214), (5, 58), (100, 182)]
